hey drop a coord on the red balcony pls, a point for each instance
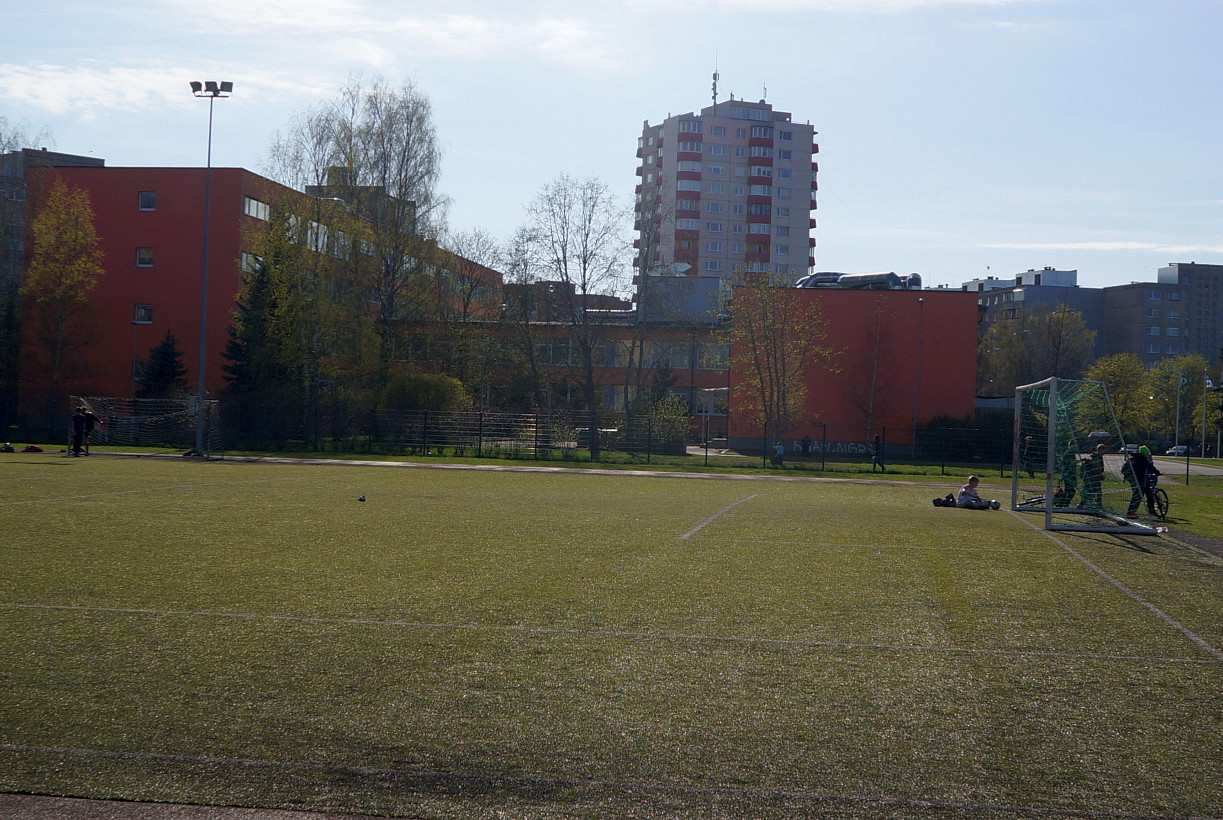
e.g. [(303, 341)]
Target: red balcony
[(764, 142), (815, 148), (811, 261), (812, 223), (687, 234), (757, 256), (687, 155), (759, 200), (695, 175), (759, 218)]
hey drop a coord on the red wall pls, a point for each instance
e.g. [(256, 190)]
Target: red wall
[(171, 286), (860, 323)]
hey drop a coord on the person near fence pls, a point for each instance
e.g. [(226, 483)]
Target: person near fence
[(1027, 455), (877, 454), (970, 498), (91, 421), (1093, 477), (1145, 473), (1068, 466), (78, 430)]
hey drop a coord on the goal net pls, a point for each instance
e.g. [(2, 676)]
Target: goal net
[(1070, 460), (152, 422)]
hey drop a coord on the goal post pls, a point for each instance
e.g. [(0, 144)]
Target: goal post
[(170, 423), (1069, 459)]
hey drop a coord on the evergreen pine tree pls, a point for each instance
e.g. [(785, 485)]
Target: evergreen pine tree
[(164, 372), (258, 401)]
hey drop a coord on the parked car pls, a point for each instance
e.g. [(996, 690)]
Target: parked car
[(1130, 449), (1178, 450)]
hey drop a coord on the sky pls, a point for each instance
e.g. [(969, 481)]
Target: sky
[(958, 138)]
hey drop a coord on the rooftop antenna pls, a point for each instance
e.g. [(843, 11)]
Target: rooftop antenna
[(765, 95), (715, 83)]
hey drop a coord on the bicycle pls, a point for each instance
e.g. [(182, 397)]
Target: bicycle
[(1157, 499)]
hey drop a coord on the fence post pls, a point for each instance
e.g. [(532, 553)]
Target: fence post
[(535, 427), (649, 439)]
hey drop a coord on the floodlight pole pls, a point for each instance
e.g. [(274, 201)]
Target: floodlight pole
[(211, 89)]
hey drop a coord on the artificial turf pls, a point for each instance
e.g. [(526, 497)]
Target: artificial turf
[(474, 643)]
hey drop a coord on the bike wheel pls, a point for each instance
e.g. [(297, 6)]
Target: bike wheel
[(1161, 502)]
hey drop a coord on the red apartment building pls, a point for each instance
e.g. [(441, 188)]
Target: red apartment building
[(150, 225), (901, 355)]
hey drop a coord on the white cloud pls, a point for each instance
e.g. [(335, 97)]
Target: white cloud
[(1152, 247), (89, 89), (858, 6)]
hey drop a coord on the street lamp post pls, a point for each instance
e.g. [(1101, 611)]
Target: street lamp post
[(210, 89)]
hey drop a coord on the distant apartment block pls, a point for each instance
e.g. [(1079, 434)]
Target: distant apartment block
[(729, 189), (1202, 305)]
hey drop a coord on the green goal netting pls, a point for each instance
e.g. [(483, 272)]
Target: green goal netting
[(1070, 460), (152, 422)]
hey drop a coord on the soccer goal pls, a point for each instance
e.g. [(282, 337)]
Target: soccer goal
[(152, 422), (1070, 461)]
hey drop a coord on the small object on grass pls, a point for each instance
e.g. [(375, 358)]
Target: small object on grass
[(993, 504), (362, 498)]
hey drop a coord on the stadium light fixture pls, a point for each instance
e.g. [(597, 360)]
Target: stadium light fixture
[(211, 89)]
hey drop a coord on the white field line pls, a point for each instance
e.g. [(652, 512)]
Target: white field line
[(1129, 593), (714, 517), (606, 633), (541, 780), (137, 491), (840, 546)]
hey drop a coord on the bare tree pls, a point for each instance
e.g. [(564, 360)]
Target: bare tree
[(777, 333), (374, 148), (871, 392), (578, 242)]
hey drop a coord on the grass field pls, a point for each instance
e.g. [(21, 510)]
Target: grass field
[(478, 643)]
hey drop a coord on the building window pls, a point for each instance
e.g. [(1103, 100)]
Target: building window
[(783, 193), (1152, 348), (1172, 314), (757, 209), (760, 228), (690, 147), (1173, 349), (781, 250), (761, 151), (760, 190), (737, 210), (714, 246), (714, 227), (713, 264), (786, 135), (687, 224), (1152, 331), (783, 230), (761, 171), (1153, 313), (783, 173), (736, 228), (716, 150), (687, 204), (715, 207), (717, 130), (688, 165), (717, 187), (257, 209), (782, 212), (762, 131), (736, 247), (740, 133), (740, 152), (148, 201), (1174, 296), (717, 169), (783, 154), (688, 185), (144, 257), (1172, 331), (737, 190), (143, 315), (1153, 295), (740, 171), (690, 126)]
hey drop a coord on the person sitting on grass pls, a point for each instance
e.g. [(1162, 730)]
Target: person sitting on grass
[(970, 499)]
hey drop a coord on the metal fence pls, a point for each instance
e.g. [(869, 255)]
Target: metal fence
[(488, 434)]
